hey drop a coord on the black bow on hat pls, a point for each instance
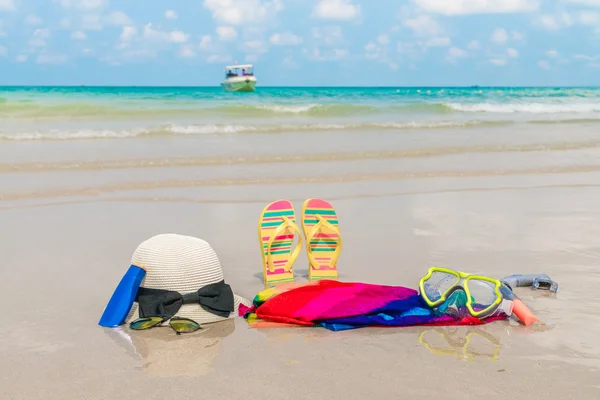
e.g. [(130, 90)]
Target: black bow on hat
[(216, 298)]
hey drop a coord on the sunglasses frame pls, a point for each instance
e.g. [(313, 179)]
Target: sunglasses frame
[(462, 282), (163, 319)]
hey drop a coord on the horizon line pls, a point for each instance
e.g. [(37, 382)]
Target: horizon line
[(307, 86)]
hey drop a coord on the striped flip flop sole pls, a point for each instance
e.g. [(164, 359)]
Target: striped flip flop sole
[(323, 244), (272, 217)]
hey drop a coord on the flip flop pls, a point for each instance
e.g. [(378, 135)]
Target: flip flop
[(276, 231), (323, 240)]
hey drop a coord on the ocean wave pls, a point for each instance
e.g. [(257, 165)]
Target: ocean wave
[(119, 109), (529, 108), (208, 129), (19, 110)]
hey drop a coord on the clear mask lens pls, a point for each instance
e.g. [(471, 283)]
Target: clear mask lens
[(482, 292), (438, 284)]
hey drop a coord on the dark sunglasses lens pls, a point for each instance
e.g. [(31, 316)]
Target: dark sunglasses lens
[(184, 325), (145, 323)]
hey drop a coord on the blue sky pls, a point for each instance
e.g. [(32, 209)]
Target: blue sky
[(301, 42)]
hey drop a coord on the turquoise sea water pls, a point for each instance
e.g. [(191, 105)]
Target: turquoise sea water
[(51, 113)]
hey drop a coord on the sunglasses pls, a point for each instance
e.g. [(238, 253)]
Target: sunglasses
[(178, 324)]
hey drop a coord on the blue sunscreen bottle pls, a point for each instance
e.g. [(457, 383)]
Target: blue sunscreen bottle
[(122, 298)]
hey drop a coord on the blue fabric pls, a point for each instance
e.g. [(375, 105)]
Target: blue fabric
[(407, 312)]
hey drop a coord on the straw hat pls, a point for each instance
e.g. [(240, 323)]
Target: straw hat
[(183, 264)]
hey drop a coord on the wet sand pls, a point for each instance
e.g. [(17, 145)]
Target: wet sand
[(68, 237)]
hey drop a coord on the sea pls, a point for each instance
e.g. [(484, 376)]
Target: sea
[(79, 113)]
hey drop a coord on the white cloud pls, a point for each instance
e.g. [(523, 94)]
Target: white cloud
[(564, 20), (91, 22), (285, 39), (128, 33), (557, 21), (289, 62), (39, 37), (593, 3), (512, 53), (179, 37), (156, 35), (543, 64), (78, 35), (465, 7), (254, 47), (3, 51), (33, 20), (240, 12), (438, 42), (83, 4), (328, 35), (516, 36), (586, 57), (552, 53), (456, 52), (65, 23), (327, 55), (22, 58), (133, 55), (474, 45), (340, 53), (590, 18), (226, 32), (424, 25), (7, 5), (371, 47), (170, 14), (51, 59), (410, 50), (186, 51), (376, 52), (218, 58), (118, 18), (499, 36), (205, 41), (383, 39), (498, 61), (336, 9)]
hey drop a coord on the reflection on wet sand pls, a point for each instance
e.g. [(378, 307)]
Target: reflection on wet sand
[(464, 343), (164, 353)]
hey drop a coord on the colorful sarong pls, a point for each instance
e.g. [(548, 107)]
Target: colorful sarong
[(346, 305)]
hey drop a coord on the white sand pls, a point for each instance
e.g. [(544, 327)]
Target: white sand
[(67, 238)]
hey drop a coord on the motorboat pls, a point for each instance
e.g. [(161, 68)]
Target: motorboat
[(239, 78)]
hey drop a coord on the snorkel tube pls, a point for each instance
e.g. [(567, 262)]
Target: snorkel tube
[(535, 281)]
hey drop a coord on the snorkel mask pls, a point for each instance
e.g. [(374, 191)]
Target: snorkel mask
[(460, 294)]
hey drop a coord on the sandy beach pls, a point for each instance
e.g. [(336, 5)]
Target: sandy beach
[(493, 201)]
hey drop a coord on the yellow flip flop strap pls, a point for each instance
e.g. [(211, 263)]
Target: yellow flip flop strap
[(311, 234), (287, 223)]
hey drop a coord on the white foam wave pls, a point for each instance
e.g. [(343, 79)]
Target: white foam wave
[(55, 134), (289, 109), (211, 129), (532, 108)]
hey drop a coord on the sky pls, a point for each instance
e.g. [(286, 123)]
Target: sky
[(301, 42)]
